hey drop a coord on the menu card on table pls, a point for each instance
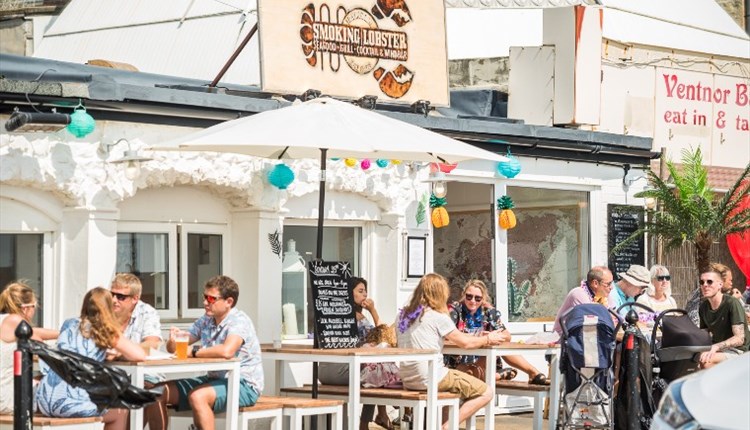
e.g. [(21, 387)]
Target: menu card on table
[(333, 304)]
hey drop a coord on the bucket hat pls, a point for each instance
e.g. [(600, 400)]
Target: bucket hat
[(637, 275)]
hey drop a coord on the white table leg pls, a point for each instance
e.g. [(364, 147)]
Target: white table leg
[(136, 415), (233, 396), (354, 384), (489, 378), (433, 420), (554, 390)]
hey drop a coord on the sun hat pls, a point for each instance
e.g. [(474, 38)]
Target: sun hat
[(637, 275)]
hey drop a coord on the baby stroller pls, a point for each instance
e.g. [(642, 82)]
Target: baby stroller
[(586, 356), (676, 353)]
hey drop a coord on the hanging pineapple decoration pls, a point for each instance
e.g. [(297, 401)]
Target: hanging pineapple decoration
[(506, 219), (439, 214)]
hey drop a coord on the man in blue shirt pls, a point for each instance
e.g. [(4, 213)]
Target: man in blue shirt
[(223, 332), (631, 284)]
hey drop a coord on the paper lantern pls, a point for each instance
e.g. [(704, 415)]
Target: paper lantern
[(395, 162), (509, 168), (439, 214), (350, 162), (281, 176), (506, 219), (381, 163), (81, 123), (365, 164)]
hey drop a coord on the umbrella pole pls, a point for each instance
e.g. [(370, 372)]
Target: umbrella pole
[(319, 256)]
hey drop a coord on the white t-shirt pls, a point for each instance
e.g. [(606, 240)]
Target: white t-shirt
[(656, 305), (425, 333)]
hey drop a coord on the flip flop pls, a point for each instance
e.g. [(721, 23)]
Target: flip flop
[(506, 374), (388, 425), (539, 379)]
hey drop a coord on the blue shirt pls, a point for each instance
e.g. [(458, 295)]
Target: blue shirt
[(238, 324), (54, 396), (618, 298)]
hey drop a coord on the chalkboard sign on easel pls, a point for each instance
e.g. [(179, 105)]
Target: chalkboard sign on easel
[(333, 304), (622, 222)]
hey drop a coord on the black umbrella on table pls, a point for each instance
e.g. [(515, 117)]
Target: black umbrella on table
[(107, 386)]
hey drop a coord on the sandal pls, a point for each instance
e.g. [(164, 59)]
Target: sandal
[(388, 425), (539, 379), (506, 374)]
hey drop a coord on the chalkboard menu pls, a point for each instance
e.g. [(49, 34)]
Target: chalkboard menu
[(333, 304), (624, 221)]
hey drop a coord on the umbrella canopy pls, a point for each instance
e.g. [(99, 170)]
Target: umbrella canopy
[(345, 130)]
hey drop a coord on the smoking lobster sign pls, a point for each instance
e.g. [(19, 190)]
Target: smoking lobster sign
[(392, 49)]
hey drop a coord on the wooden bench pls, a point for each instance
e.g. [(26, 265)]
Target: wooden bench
[(50, 423), (297, 408), (387, 396), (524, 389), (262, 410)]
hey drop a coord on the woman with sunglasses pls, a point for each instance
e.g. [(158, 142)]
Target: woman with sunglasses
[(17, 303), (659, 294), (474, 314), (91, 335)]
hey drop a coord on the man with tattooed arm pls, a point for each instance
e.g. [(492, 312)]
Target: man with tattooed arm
[(725, 320)]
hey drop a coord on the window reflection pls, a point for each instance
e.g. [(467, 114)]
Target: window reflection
[(146, 255), (204, 262), (21, 260)]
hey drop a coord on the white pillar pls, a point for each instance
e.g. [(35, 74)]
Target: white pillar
[(88, 256), (386, 265), (257, 270)]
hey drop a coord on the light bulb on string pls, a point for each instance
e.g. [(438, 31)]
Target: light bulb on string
[(440, 189)]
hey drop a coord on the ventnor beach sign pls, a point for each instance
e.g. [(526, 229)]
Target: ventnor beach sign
[(392, 49)]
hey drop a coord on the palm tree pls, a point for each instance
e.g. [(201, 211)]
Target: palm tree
[(689, 210)]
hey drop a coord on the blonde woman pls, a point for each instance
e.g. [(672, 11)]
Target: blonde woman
[(92, 334), (474, 313), (17, 303), (658, 295), (424, 323)]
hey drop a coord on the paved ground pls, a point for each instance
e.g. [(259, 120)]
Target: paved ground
[(505, 422)]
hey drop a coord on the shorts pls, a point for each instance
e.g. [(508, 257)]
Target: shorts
[(463, 384), (248, 394)]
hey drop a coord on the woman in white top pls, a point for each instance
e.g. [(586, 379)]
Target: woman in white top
[(17, 303), (658, 296), (424, 323)]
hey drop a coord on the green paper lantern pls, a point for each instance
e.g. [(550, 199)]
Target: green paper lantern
[(509, 168), (382, 163), (281, 176), (81, 123)]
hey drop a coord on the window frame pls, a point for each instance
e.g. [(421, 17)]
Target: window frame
[(183, 231), (171, 231)]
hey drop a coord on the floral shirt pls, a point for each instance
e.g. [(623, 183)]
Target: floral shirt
[(144, 322), (484, 319), (239, 324)]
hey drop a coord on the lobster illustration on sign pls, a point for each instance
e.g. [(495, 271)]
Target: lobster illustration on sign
[(355, 35)]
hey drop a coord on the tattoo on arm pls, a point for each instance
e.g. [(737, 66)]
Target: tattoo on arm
[(738, 337)]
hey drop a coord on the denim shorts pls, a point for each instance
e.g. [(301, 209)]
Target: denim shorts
[(248, 394)]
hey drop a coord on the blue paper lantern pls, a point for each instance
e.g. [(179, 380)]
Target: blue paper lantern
[(281, 176), (509, 168), (81, 123), (382, 163)]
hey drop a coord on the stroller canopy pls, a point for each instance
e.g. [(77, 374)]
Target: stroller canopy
[(589, 334)]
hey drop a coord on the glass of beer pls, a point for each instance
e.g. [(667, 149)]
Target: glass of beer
[(181, 343)]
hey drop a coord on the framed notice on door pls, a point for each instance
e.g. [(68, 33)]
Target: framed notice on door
[(416, 258)]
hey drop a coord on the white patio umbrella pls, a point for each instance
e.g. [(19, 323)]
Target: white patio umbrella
[(343, 129)]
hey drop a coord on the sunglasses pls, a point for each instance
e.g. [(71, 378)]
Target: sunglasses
[(211, 299), (664, 278), (706, 281), (477, 299), (119, 296)]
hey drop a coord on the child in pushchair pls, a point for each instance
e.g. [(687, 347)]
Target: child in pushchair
[(587, 350)]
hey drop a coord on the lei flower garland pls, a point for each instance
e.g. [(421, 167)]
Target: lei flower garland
[(405, 321)]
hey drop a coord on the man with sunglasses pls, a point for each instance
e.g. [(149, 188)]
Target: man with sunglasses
[(724, 318), (631, 284), (595, 289), (223, 332), (139, 321)]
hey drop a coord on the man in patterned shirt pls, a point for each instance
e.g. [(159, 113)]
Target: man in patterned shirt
[(223, 332), (139, 321)]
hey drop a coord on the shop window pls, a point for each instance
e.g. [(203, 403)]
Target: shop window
[(548, 250), (157, 253), (21, 258), (339, 244)]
